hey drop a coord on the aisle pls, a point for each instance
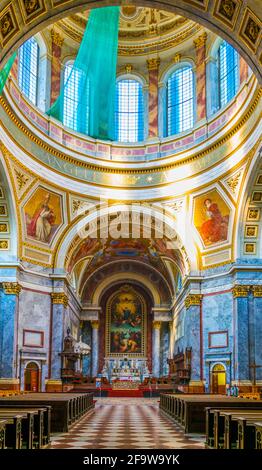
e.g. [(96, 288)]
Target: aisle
[(126, 423)]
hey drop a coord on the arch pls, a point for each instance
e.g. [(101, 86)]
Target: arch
[(234, 30), (180, 240), (128, 276), (249, 245), (9, 221), (32, 380)]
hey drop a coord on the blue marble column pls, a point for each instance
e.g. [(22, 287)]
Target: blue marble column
[(86, 338), (156, 349), (257, 305), (165, 334), (241, 322), (193, 334), (8, 311), (60, 302), (95, 347)]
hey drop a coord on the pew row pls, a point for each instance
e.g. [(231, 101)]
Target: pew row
[(66, 408), (189, 410)]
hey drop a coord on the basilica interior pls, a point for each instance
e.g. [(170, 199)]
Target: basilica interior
[(130, 265)]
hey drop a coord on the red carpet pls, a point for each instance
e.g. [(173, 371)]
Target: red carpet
[(125, 393)]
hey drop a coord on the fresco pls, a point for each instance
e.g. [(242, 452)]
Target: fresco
[(43, 215), (211, 217), (125, 323)]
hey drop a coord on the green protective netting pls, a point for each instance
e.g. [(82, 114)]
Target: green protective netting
[(5, 71), (93, 75)]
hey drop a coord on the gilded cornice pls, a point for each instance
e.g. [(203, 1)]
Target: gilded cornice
[(59, 298), (240, 291), (193, 300), (11, 288)]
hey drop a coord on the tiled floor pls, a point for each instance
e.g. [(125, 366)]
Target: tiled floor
[(126, 423)]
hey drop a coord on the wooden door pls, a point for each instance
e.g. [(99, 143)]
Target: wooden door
[(32, 381)]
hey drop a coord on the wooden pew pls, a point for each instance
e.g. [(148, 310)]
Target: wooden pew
[(258, 427), (27, 424), (42, 422), (3, 423), (190, 409), (225, 430), (13, 430), (67, 408), (247, 431)]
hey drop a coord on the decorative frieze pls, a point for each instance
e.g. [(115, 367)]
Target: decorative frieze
[(59, 298), (257, 291), (240, 291), (11, 288), (193, 300)]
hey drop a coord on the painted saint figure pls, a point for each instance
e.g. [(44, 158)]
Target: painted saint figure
[(215, 228), (40, 225)]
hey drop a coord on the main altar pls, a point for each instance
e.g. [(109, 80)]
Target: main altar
[(123, 371)]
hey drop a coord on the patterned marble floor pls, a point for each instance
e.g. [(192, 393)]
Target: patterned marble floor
[(126, 423)]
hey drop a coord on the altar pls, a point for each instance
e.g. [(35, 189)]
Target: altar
[(125, 371)]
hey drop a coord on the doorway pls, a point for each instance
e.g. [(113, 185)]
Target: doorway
[(218, 379), (32, 375)]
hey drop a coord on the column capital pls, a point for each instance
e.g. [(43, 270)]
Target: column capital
[(177, 58), (240, 291), (12, 288), (153, 64), (156, 325), (59, 298), (95, 324), (257, 291), (57, 38), (200, 41), (192, 300)]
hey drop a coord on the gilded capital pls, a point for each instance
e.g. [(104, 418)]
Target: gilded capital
[(59, 298), (95, 324), (11, 288), (200, 41), (257, 291), (156, 325), (57, 38), (193, 299), (153, 64), (240, 291)]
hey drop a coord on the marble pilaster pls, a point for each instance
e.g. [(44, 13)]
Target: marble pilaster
[(257, 301), (156, 348), (200, 45), (193, 333), (243, 70), (241, 332), (9, 300), (95, 347), (57, 42), (59, 304), (153, 67)]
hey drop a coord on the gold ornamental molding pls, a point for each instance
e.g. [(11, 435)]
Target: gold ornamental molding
[(57, 38), (59, 298), (153, 64), (200, 41), (257, 291), (95, 324), (12, 288), (193, 300), (240, 291), (156, 325)]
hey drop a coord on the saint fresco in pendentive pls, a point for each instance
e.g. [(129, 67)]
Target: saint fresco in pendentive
[(43, 215), (211, 217)]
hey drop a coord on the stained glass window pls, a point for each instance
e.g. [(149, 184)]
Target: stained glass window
[(180, 101), (76, 110), (228, 65)]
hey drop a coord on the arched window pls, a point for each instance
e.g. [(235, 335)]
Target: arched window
[(76, 101), (180, 101), (129, 114), (228, 71), (28, 69)]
